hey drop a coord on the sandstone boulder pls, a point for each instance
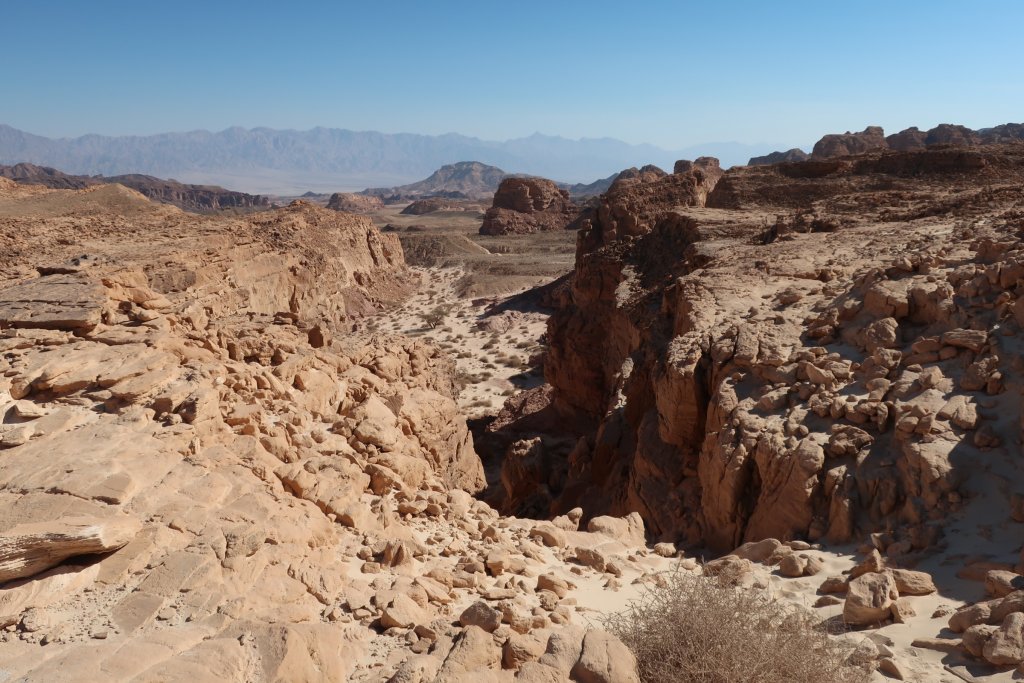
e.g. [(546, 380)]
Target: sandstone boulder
[(869, 599), (481, 615), (604, 659)]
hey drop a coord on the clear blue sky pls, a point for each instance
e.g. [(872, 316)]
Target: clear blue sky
[(669, 73)]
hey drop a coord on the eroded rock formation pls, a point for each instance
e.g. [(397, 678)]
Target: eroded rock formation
[(813, 358), (794, 154), (354, 203), (844, 144), (637, 200), (911, 139), (527, 205), (432, 204)]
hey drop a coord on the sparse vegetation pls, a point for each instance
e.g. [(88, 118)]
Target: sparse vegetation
[(436, 316), (693, 629)]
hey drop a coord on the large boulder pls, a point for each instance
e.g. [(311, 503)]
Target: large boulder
[(604, 659), (869, 599)]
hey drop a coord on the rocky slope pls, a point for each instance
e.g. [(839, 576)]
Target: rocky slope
[(188, 197), (206, 476), (527, 205)]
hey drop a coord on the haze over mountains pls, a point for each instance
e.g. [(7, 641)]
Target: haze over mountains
[(264, 160)]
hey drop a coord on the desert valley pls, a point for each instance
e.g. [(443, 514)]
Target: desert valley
[(485, 426)]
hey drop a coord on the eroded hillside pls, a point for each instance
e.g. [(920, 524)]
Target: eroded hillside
[(205, 475)]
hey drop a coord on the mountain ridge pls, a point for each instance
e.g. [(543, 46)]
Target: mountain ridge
[(185, 196), (266, 160)]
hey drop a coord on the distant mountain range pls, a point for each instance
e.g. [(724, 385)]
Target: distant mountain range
[(262, 160)]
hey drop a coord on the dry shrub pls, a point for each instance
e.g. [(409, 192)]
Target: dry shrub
[(694, 629)]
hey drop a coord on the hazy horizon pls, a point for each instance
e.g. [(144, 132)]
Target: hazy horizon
[(666, 74), (270, 161)]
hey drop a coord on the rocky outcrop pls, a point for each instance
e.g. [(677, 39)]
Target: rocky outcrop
[(354, 203), (949, 134), (202, 462), (846, 144), (432, 204), (794, 154), (188, 197), (636, 201), (29, 549), (1006, 133), (464, 180), (204, 370), (816, 379), (527, 205), (909, 140)]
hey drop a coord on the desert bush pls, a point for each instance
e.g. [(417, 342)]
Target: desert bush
[(435, 317), (695, 629)]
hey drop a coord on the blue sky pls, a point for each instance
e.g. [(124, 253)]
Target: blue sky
[(668, 73)]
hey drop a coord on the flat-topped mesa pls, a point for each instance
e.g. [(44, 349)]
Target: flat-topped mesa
[(528, 205), (354, 203), (638, 199)]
